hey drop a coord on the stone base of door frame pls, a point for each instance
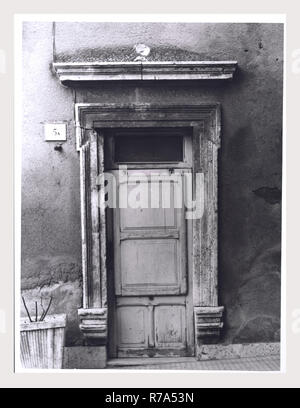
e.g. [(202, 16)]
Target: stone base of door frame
[(208, 324), (93, 325), (87, 357)]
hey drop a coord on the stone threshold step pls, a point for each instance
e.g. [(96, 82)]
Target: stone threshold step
[(137, 361)]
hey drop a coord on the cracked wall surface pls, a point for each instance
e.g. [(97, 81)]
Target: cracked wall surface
[(249, 166)]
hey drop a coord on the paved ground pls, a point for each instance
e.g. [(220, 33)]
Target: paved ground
[(268, 363)]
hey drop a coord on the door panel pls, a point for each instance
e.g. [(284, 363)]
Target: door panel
[(170, 326), (143, 218), (142, 274), (132, 324)]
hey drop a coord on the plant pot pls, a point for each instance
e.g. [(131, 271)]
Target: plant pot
[(42, 343)]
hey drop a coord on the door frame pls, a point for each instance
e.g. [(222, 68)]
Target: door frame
[(205, 121)]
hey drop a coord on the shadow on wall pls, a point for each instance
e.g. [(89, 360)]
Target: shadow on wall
[(254, 314)]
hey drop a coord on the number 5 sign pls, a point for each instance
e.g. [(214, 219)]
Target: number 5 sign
[(56, 132)]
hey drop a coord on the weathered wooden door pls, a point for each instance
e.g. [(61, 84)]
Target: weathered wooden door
[(152, 313)]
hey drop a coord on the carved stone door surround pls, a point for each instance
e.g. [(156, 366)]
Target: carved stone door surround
[(205, 122)]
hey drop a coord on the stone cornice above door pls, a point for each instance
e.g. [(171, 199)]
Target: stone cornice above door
[(70, 72)]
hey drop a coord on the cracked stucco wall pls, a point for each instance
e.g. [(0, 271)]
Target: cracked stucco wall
[(250, 157)]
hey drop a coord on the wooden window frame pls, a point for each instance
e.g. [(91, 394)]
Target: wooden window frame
[(186, 163)]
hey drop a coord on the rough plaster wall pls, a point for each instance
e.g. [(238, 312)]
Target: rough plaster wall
[(51, 245), (250, 157)]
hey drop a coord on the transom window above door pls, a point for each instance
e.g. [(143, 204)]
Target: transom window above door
[(148, 147)]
